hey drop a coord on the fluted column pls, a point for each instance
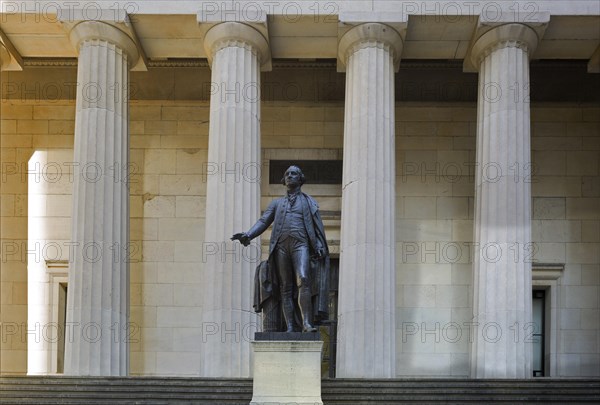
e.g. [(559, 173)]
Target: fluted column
[(366, 316), (232, 198), (98, 291), (501, 267)]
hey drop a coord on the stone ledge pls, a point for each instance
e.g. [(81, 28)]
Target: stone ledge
[(285, 336)]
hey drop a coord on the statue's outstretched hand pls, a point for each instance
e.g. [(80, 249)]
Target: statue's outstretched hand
[(242, 237)]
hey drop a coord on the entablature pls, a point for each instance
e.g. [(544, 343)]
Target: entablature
[(301, 30)]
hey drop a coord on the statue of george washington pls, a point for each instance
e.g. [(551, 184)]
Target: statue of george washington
[(295, 279)]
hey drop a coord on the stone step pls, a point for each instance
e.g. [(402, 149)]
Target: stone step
[(127, 390), (459, 391), (180, 390)]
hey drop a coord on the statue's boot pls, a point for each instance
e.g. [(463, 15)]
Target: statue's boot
[(306, 309), (288, 311)]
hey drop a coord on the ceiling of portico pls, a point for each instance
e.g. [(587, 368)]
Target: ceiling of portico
[(308, 37)]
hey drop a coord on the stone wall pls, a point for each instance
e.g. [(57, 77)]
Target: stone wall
[(435, 150), (169, 143), (435, 153), (27, 127), (566, 227)]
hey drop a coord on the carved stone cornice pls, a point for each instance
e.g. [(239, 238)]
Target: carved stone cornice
[(50, 62), (178, 63)]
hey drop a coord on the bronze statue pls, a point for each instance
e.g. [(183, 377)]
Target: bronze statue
[(294, 280)]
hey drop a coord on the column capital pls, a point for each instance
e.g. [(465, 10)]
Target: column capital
[(98, 30), (370, 35), (594, 62), (238, 34), (10, 59), (4, 56), (514, 35)]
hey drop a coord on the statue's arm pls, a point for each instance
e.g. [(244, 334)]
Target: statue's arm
[(259, 227), (263, 222)]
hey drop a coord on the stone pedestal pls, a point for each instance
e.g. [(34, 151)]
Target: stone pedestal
[(366, 319), (287, 372), (502, 231)]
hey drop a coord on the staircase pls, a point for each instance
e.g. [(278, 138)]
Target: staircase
[(460, 391), (123, 390), (176, 390)]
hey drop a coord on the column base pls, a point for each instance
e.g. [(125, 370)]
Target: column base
[(287, 371)]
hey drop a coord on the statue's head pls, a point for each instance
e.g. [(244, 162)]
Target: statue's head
[(293, 174)]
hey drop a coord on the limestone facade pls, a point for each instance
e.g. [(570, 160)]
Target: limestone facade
[(427, 276)]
